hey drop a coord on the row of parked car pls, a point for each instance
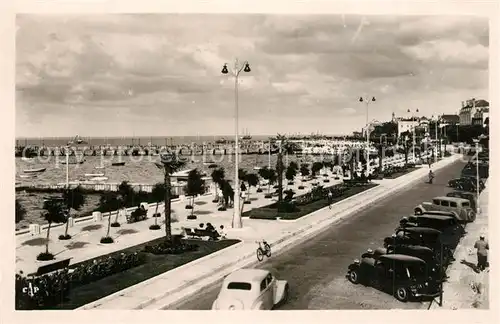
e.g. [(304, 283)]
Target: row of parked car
[(412, 262)]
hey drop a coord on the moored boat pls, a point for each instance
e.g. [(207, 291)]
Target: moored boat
[(94, 174), (98, 179), (33, 175), (36, 170), (118, 163)]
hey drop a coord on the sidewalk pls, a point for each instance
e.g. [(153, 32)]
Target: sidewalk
[(86, 235), (180, 283), (466, 289)]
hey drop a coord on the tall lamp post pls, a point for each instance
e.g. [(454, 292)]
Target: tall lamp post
[(436, 121), (476, 141), (367, 103), (245, 67), (413, 137)]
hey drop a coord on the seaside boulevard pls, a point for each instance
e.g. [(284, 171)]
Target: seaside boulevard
[(168, 289)]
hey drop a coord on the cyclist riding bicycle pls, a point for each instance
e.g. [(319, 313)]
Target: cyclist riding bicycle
[(431, 176)]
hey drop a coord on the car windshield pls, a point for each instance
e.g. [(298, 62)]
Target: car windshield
[(239, 286), (465, 204)]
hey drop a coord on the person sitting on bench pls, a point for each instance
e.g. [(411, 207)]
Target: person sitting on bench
[(211, 229)]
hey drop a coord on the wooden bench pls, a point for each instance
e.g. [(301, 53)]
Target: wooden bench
[(197, 232), (55, 266)]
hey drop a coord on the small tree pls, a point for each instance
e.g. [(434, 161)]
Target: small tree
[(54, 213), (252, 180), (127, 193), (316, 167), (20, 211), (195, 186), (73, 199), (157, 194), (227, 193), (218, 175), (304, 170), (273, 177), (109, 201), (294, 165), (290, 174)]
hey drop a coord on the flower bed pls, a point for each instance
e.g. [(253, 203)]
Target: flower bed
[(65, 290), (396, 172), (307, 203), (49, 290)]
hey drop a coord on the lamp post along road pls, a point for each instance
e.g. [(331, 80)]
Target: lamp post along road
[(245, 67), (367, 102)]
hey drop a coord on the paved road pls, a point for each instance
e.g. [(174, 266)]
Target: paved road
[(316, 269)]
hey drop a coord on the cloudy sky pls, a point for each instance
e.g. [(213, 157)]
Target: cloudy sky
[(155, 75)]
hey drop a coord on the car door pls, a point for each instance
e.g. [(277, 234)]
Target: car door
[(266, 292), (378, 275)]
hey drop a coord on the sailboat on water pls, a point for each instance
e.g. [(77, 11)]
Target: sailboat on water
[(247, 135)]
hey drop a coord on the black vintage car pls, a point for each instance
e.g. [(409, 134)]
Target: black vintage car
[(405, 277), (464, 183), (418, 251), (445, 222), (423, 236)]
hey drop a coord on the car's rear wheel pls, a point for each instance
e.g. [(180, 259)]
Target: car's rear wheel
[(402, 294), (353, 276), (418, 211)]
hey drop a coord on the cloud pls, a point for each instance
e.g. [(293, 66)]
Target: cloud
[(164, 69)]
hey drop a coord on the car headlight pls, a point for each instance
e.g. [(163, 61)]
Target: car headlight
[(232, 307)]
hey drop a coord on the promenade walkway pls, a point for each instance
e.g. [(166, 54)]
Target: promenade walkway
[(174, 286), (466, 288), (86, 235)]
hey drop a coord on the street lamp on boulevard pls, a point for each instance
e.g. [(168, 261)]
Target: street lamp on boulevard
[(436, 121), (413, 137), (367, 103), (476, 142), (238, 68)]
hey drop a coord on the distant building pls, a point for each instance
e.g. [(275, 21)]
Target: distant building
[(450, 119), (474, 112)]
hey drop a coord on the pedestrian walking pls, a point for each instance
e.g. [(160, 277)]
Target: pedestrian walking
[(431, 176), (482, 248), (330, 199)]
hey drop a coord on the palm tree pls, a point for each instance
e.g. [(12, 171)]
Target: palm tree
[(109, 201), (54, 213), (73, 199), (20, 211), (170, 163), (157, 193), (284, 147), (218, 176)]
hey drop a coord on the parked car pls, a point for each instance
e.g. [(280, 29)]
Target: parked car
[(405, 277), (471, 197), (418, 251), (251, 289), (447, 223), (464, 183), (459, 206), (422, 236)]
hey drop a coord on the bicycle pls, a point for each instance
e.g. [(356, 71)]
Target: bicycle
[(264, 249)]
